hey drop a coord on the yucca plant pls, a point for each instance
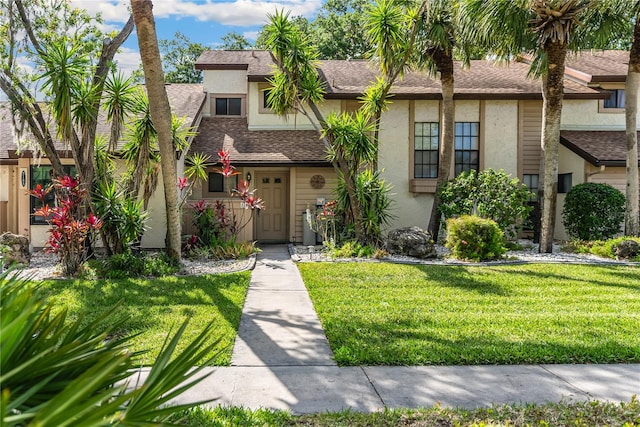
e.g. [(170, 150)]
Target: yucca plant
[(58, 372)]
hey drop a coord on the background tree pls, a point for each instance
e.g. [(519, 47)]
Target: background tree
[(235, 41), (179, 55), (161, 116), (546, 30)]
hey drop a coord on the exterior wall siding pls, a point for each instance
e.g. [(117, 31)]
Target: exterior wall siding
[(304, 196), (531, 132)]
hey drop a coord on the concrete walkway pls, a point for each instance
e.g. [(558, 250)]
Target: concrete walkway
[(282, 360)]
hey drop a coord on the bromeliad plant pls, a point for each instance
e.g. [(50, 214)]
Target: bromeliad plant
[(69, 236)]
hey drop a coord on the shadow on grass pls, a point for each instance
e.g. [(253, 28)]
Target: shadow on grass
[(157, 304), (383, 343), (460, 277)]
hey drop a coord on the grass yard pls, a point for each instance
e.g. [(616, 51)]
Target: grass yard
[(388, 314), (156, 306), (551, 414)]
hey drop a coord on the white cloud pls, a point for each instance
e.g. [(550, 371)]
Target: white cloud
[(251, 35), (239, 12), (128, 60)]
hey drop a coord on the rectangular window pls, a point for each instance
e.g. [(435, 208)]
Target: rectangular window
[(616, 100), (42, 175), (565, 182), (217, 183), (265, 99), (467, 153), (426, 145), (228, 106), (531, 181)]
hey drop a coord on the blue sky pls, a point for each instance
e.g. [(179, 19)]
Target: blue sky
[(204, 22)]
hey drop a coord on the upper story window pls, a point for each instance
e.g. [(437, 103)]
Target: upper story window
[(228, 106), (42, 175), (467, 145), (616, 100), (426, 145)]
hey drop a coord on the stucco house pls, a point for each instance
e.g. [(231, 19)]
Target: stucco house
[(498, 114)]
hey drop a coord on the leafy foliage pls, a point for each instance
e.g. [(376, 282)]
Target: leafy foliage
[(603, 248), (373, 194), (489, 194), (593, 211), (474, 238), (69, 233), (68, 373)]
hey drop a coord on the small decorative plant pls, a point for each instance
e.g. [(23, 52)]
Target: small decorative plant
[(69, 235), (475, 239)]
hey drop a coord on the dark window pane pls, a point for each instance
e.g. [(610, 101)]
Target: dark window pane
[(565, 182), (235, 107), (221, 107), (216, 182), (265, 98)]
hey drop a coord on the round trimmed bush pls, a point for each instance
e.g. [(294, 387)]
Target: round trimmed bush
[(473, 238), (593, 211)]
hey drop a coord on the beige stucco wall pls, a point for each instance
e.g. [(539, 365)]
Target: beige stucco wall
[(568, 162), (225, 81), (408, 209), (500, 129), (579, 114), (5, 178)]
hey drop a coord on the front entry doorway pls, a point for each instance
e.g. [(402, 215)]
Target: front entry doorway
[(271, 222)]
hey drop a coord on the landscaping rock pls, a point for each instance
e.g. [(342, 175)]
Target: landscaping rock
[(15, 249), (626, 249), (411, 241)]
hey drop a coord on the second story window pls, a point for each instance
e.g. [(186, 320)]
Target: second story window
[(228, 106), (616, 100)]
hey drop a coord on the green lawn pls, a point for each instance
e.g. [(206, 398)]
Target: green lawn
[(387, 314), (155, 306), (551, 414)]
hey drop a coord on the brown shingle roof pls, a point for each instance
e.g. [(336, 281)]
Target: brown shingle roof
[(349, 78), (598, 66), (186, 101), (286, 147), (606, 148)]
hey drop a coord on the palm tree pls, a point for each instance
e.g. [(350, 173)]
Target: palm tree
[(437, 39), (545, 30), (161, 115), (632, 214)]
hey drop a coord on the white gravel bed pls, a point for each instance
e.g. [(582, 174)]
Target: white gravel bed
[(44, 266), (529, 253)]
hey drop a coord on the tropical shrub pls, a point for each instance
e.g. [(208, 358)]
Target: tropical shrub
[(593, 211), (123, 218), (353, 249), (57, 371), (128, 264), (70, 235), (373, 193), (470, 237), (489, 194)]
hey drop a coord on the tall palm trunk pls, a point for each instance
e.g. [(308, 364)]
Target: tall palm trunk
[(160, 115), (552, 94), (444, 63), (632, 214)]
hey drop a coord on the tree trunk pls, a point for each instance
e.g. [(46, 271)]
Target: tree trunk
[(160, 115), (444, 63), (632, 213), (552, 94)]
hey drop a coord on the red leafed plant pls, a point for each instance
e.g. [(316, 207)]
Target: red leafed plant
[(68, 234), (219, 222)]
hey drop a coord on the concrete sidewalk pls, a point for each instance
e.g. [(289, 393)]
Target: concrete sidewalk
[(282, 360)]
